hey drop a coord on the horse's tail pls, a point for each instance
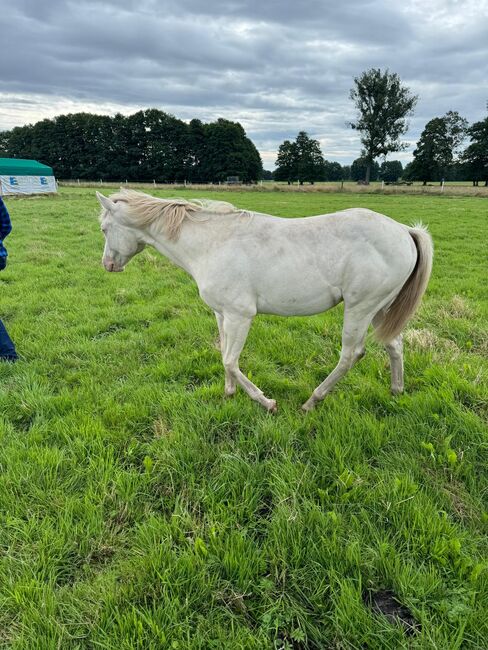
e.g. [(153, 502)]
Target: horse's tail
[(405, 304)]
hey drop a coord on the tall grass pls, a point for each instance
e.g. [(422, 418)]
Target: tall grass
[(140, 509)]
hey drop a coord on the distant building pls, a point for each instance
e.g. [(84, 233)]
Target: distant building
[(19, 176)]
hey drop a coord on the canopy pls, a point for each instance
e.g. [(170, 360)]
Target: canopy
[(22, 167)]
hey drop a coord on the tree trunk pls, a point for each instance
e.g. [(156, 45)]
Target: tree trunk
[(368, 173)]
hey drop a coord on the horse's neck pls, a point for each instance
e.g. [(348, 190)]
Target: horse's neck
[(184, 252)]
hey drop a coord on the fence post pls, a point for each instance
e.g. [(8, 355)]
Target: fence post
[(154, 182), (382, 185)]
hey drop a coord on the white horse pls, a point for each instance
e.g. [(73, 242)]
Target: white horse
[(246, 263)]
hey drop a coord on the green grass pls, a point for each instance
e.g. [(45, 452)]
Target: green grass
[(139, 509)]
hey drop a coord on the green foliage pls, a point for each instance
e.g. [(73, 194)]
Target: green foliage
[(301, 160), (141, 509), (475, 156), (148, 145), (438, 145), (359, 170), (390, 170), (333, 171), (383, 106)]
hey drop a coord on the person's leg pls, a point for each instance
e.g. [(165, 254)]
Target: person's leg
[(7, 348)]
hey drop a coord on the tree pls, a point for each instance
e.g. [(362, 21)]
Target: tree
[(229, 152), (287, 162), (359, 167), (301, 160), (332, 171), (310, 161), (383, 106), (475, 156), (391, 171), (437, 147)]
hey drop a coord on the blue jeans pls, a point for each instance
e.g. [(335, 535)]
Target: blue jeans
[(7, 348)]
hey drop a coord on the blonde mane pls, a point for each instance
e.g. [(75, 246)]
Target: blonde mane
[(169, 214)]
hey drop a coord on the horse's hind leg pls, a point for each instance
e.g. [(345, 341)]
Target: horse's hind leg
[(395, 352), (354, 332), (230, 382), (235, 330)]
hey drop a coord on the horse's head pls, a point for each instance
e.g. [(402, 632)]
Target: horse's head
[(122, 241)]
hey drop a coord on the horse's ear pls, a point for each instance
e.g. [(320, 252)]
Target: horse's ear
[(105, 202)]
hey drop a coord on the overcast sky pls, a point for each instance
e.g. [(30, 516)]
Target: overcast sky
[(276, 66)]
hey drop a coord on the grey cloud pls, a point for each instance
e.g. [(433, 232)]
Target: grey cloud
[(277, 66)]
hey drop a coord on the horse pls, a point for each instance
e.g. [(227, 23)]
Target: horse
[(246, 263)]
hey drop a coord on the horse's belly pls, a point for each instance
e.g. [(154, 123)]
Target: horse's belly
[(299, 302)]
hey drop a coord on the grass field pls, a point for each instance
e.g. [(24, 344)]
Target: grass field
[(139, 509)]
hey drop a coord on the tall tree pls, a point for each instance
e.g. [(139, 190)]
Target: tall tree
[(229, 152), (301, 160), (287, 162), (310, 161), (438, 147), (383, 105), (475, 156)]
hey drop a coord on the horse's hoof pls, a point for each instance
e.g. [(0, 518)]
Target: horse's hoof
[(308, 406), (272, 406)]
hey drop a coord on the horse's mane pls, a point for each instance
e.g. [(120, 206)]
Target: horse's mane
[(169, 214)]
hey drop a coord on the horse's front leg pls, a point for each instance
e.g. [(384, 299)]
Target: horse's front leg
[(235, 331)]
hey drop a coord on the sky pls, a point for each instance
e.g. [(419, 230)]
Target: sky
[(276, 66)]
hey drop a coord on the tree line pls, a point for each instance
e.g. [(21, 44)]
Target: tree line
[(302, 161), (154, 145), (383, 107), (440, 156), (148, 145)]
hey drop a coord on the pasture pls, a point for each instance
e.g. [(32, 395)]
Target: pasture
[(141, 509)]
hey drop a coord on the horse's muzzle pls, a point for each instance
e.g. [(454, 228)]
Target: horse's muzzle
[(111, 268)]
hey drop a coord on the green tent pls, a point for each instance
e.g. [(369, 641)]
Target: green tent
[(19, 176), (21, 167)]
